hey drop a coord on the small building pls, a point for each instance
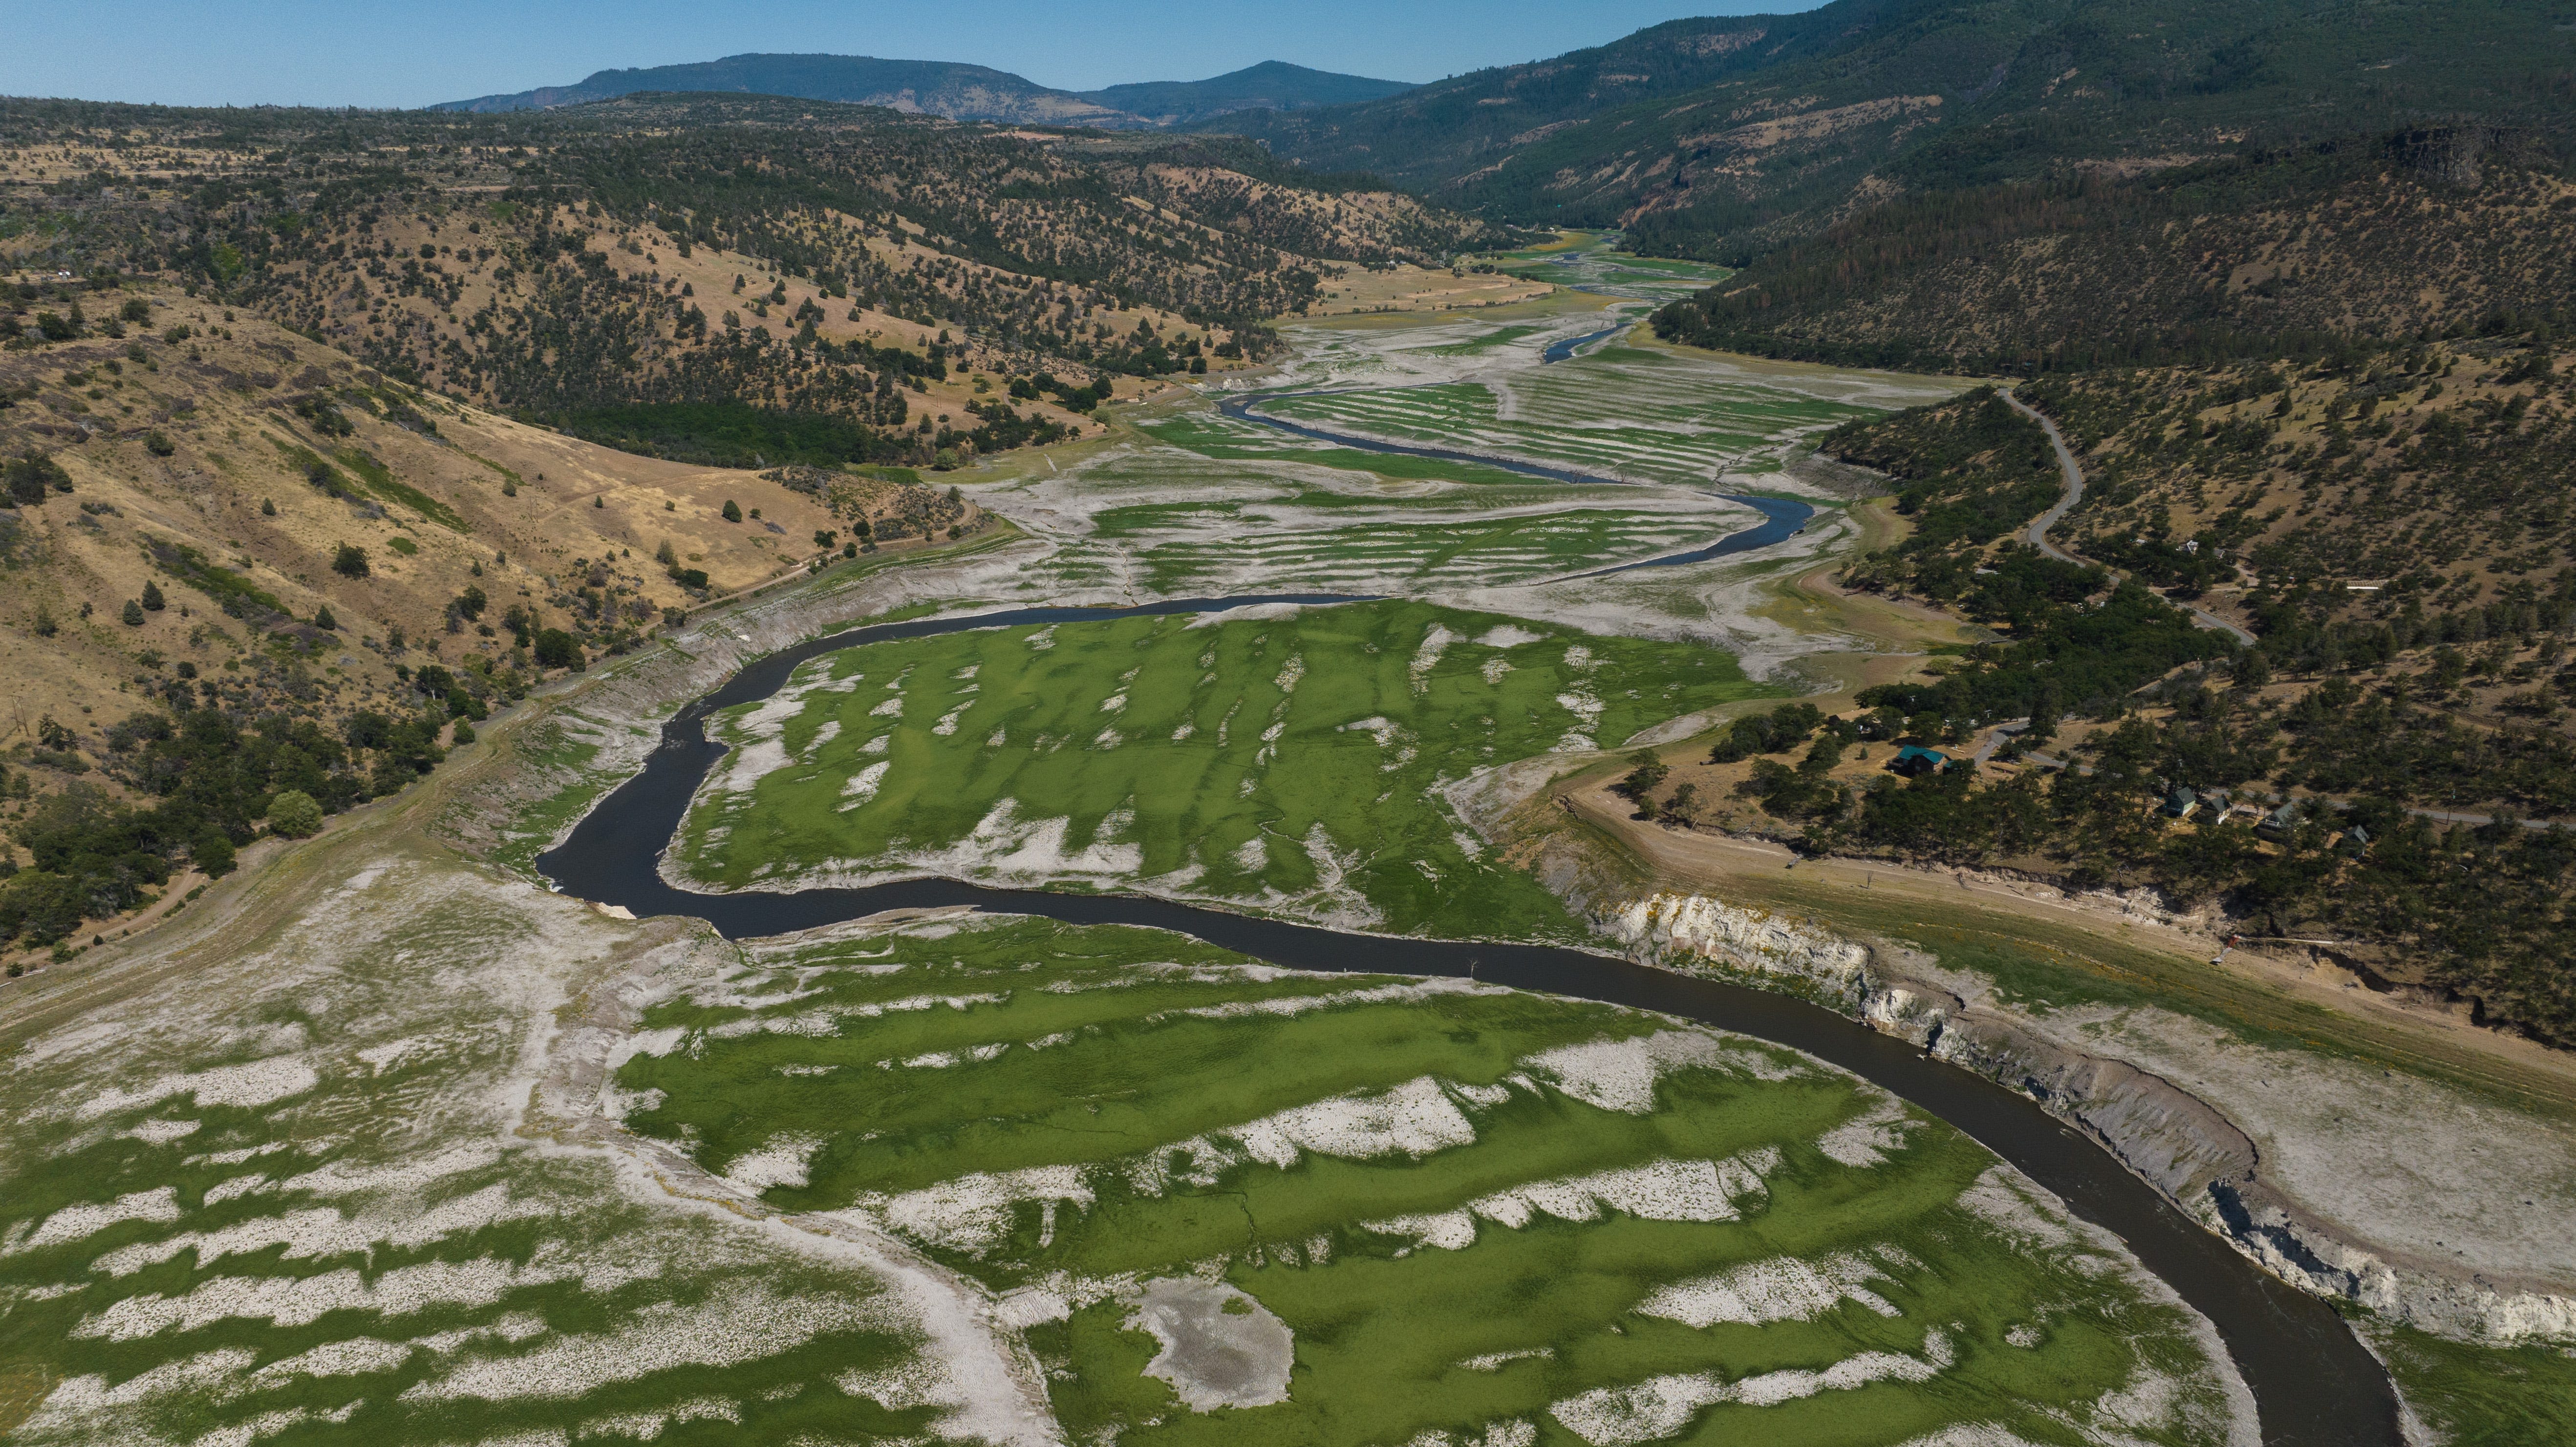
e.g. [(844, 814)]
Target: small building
[(2279, 823), (1914, 761), (2182, 803)]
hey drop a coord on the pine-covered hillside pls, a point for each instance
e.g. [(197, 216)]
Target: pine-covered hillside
[(1720, 137)]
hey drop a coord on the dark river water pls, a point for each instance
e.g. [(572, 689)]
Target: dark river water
[(2312, 1380), (1564, 347)]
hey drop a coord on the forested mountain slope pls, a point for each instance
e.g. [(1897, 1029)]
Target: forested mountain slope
[(1270, 85), (2294, 285), (2393, 530), (2368, 237), (236, 564), (1716, 137)]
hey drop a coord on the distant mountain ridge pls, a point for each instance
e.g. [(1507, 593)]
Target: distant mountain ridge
[(1271, 85), (965, 92)]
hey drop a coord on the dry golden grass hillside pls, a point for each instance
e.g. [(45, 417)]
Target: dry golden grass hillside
[(190, 448), (717, 251)]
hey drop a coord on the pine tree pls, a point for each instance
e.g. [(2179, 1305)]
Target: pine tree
[(153, 602)]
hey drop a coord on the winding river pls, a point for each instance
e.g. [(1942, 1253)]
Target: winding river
[(2313, 1382), (1565, 347)]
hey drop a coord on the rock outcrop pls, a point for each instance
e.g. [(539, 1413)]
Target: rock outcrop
[(2174, 1140)]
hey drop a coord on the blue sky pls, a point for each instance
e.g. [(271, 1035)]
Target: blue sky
[(403, 53)]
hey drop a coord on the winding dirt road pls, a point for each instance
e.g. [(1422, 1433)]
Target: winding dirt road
[(2074, 475)]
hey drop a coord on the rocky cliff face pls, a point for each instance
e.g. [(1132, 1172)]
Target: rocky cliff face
[(2176, 1141)]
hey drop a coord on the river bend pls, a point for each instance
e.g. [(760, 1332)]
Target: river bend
[(2313, 1382)]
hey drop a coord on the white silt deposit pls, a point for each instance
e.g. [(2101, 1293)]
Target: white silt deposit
[(1672, 929)]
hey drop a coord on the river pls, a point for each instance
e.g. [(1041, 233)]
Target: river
[(2313, 1382)]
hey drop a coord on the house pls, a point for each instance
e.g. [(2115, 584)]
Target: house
[(2279, 823), (1914, 761), (2182, 803)]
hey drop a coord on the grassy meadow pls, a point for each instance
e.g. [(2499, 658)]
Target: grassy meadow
[(1585, 259), (1192, 502), (1667, 418), (1291, 764), (1476, 1215), (1223, 505)]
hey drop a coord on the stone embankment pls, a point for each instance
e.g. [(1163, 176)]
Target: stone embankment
[(2176, 1141)]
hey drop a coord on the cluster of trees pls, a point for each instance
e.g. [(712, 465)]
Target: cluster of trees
[(1003, 428), (32, 477), (26, 320), (2477, 908), (211, 781), (1968, 472), (1073, 398), (728, 433), (1766, 733)]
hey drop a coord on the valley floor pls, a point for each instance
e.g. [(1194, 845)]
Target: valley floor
[(380, 1136)]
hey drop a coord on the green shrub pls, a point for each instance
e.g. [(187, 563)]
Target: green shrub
[(558, 649), (41, 905), (213, 853), (295, 815), (32, 476)]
